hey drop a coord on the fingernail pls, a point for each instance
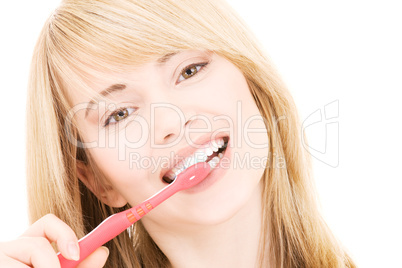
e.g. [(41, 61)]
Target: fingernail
[(73, 251), (105, 249)]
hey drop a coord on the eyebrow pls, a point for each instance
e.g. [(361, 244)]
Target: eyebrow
[(107, 91), (120, 87), (166, 57)]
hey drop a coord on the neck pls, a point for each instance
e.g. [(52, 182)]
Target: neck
[(233, 243)]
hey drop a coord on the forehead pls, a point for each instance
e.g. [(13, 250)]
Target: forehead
[(102, 81)]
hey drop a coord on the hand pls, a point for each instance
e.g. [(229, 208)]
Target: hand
[(33, 248)]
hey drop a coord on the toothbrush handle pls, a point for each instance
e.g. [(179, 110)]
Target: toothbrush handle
[(117, 223), (104, 232), (114, 225)]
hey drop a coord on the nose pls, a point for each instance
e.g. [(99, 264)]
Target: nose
[(168, 123)]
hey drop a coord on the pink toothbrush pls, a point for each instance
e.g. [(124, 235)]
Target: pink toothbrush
[(117, 223)]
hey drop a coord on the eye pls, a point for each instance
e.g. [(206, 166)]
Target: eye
[(119, 115), (190, 70)]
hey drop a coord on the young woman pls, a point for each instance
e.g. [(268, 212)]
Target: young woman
[(122, 95)]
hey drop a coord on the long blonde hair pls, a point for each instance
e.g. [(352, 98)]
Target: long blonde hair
[(84, 37)]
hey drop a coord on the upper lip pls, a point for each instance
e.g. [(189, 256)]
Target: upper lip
[(188, 150)]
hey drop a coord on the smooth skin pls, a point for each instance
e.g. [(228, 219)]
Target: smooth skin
[(33, 248), (219, 226)]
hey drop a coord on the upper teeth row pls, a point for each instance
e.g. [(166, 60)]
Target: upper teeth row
[(201, 155)]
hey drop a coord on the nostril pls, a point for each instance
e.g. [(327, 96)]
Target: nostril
[(167, 136), (188, 122)]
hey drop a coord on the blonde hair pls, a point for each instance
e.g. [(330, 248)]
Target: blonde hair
[(81, 39)]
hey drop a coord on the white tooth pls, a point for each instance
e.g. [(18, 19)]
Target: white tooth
[(170, 173), (199, 156), (220, 155), (177, 172), (196, 158), (177, 169), (214, 146), (220, 142), (174, 170), (208, 151)]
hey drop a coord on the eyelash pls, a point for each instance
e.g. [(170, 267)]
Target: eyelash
[(110, 117), (202, 66)]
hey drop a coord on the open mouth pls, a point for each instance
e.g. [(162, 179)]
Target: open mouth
[(211, 154)]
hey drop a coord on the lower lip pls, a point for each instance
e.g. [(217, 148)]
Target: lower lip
[(216, 174)]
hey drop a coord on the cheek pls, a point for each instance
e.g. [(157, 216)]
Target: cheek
[(238, 101), (251, 141), (111, 150), (229, 90), (126, 177)]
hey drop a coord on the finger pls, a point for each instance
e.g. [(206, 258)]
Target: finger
[(55, 230), (31, 251), (97, 259), (11, 263)]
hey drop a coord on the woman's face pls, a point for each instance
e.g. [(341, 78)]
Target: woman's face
[(160, 113)]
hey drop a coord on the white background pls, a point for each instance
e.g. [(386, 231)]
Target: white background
[(346, 54)]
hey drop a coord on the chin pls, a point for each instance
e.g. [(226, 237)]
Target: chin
[(228, 206)]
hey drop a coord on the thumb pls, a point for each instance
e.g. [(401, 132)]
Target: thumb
[(96, 259)]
